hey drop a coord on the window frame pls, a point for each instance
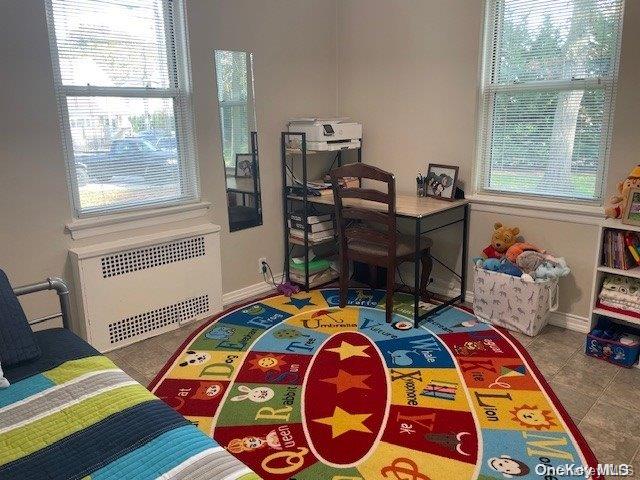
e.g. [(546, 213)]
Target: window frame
[(180, 90), (485, 115)]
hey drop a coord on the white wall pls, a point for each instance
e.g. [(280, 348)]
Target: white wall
[(294, 43)]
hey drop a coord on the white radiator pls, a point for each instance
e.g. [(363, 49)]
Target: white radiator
[(133, 289)]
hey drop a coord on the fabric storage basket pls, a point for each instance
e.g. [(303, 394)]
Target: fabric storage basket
[(510, 302)]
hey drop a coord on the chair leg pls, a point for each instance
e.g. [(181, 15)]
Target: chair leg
[(427, 265), (373, 275), (391, 283), (344, 279)]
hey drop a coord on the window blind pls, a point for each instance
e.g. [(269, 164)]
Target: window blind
[(122, 81), (548, 87)]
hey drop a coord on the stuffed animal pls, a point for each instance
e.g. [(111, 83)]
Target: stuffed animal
[(515, 250), (618, 201), (552, 269), (529, 260), (509, 268), (501, 239), (492, 264)]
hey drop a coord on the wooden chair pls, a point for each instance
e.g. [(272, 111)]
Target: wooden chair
[(376, 242)]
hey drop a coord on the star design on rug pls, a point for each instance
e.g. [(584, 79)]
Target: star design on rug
[(346, 350), (345, 381), (300, 303), (342, 422)]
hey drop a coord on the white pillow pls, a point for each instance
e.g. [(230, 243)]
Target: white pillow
[(4, 383)]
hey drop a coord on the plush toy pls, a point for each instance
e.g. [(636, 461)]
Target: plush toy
[(515, 250), (501, 239), (509, 268), (618, 201), (492, 264), (529, 260), (552, 269)]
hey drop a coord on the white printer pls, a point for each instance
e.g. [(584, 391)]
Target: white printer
[(325, 134)]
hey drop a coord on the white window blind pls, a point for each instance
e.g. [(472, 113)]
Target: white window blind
[(122, 80), (549, 80)]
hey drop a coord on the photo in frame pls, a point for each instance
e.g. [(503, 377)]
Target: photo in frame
[(441, 181), (631, 213), (244, 165)]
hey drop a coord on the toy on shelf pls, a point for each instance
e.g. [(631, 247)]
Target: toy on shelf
[(617, 202), (501, 239)]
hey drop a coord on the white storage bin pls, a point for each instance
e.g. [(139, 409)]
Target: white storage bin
[(510, 302)]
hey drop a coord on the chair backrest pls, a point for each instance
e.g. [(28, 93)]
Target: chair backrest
[(381, 214)]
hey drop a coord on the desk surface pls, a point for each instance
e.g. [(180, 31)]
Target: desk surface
[(406, 205)]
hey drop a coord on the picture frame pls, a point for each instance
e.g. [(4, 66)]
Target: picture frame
[(244, 165), (631, 212), (441, 181)]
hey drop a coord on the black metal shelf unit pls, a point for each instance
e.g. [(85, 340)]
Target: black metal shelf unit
[(290, 156)]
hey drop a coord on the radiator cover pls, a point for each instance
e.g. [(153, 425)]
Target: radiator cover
[(136, 288)]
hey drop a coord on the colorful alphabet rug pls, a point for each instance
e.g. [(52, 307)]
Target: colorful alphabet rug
[(300, 388)]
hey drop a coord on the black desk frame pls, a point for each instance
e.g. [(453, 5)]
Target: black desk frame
[(462, 276)]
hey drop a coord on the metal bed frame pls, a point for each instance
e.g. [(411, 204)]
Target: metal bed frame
[(51, 283)]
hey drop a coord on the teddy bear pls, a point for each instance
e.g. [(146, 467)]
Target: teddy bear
[(618, 201), (501, 239)]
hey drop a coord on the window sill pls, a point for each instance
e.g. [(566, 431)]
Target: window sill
[(118, 222), (566, 212)]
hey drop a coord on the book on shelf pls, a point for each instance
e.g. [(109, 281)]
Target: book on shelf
[(311, 227), (298, 216), (620, 249), (313, 236)]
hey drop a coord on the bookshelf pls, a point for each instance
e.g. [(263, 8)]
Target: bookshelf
[(601, 270), (305, 204)]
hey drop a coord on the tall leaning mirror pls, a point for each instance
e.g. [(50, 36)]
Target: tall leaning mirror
[(239, 133)]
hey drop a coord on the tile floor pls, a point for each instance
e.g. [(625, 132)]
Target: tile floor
[(601, 398)]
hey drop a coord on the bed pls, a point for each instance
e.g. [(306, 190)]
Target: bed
[(72, 413)]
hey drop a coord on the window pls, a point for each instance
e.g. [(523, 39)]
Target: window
[(122, 81), (549, 81)]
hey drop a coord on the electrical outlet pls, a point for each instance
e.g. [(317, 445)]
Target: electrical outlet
[(261, 262)]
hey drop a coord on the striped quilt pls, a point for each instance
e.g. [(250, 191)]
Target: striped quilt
[(87, 419)]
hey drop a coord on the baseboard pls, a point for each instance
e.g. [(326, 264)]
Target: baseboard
[(559, 319), (250, 291)]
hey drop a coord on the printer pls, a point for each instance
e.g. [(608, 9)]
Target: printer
[(326, 134)]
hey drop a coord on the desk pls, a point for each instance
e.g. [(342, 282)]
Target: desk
[(419, 210)]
